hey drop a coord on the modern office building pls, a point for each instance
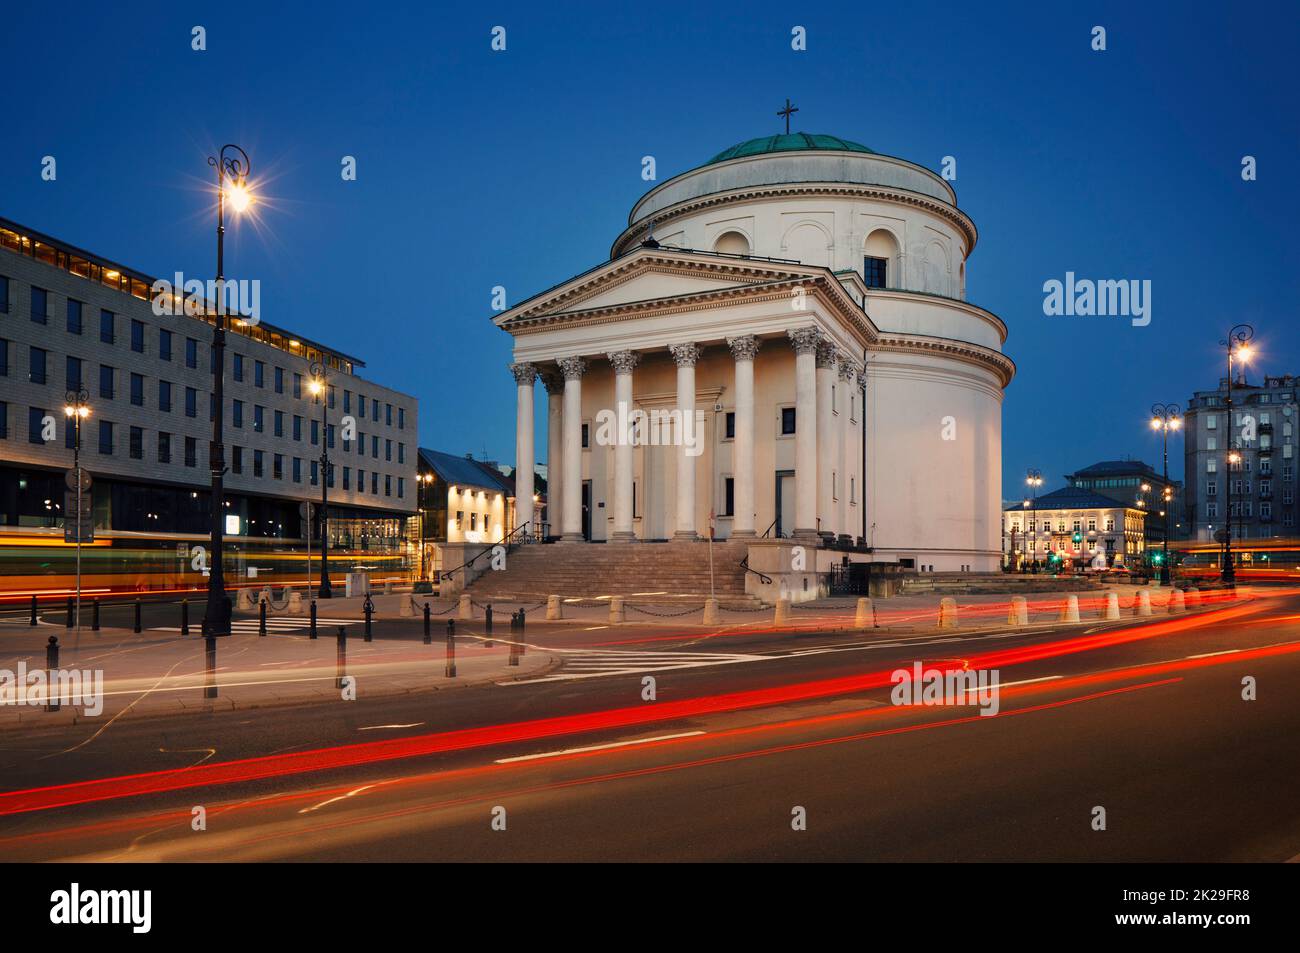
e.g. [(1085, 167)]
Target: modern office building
[(1258, 492), (72, 320)]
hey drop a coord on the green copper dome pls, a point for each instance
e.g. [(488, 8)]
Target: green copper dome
[(791, 142)]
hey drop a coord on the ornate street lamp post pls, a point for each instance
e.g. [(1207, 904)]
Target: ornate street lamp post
[(1237, 344), (320, 389), (1166, 417), (232, 167), (1034, 479), (77, 409)]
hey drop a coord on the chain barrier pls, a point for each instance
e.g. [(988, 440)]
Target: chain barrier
[(745, 608), (587, 603), (450, 608), (662, 615)]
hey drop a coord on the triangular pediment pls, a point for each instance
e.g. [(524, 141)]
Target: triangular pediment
[(648, 275)]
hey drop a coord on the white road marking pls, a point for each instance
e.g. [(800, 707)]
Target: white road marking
[(414, 724), (612, 744), (1213, 654), (342, 797)]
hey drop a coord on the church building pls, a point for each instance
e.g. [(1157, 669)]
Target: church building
[(779, 347)]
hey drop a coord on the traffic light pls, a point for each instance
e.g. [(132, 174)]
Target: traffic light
[(1158, 558), (1078, 537)]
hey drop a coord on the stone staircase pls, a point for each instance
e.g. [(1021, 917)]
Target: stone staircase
[(966, 583), (645, 572)]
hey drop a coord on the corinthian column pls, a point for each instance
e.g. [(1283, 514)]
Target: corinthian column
[(744, 350), (828, 451), (554, 448), (525, 374), (685, 355), (844, 441), (804, 341), (624, 362), (571, 509)]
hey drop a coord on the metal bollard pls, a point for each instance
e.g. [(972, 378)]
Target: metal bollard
[(261, 618), (487, 615), (521, 618), (137, 615), (33, 610), (312, 633), (369, 608), (514, 622), (185, 616), (342, 657), (428, 633), (71, 612), (94, 616), (210, 664), (51, 665), (450, 670)]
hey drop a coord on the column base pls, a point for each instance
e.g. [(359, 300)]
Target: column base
[(572, 538), (806, 535), (743, 534), (623, 536), (686, 536)]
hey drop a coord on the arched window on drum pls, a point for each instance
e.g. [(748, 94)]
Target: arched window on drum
[(880, 260)]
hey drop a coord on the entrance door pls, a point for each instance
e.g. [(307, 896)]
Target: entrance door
[(784, 502), (586, 510)]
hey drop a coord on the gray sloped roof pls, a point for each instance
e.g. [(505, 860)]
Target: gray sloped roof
[(462, 471)]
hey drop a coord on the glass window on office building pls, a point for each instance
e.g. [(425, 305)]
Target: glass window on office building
[(36, 365), (257, 463), (191, 353), (237, 414), (137, 443), (259, 374), (106, 437), (238, 370), (74, 316), (279, 380), (164, 344), (106, 329), (40, 305), (277, 467), (137, 390), (35, 425), (191, 452), (164, 447), (165, 396), (4, 295), (137, 336)]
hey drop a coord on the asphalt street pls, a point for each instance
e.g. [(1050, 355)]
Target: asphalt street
[(747, 733)]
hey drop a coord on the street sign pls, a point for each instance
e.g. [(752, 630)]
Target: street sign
[(78, 527), (70, 479), (306, 511), (1221, 536)]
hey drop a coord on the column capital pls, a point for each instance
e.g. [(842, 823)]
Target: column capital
[(804, 340), (554, 382), (862, 378), (744, 348), (624, 361), (572, 367), (525, 373), (847, 371), (685, 354), (827, 354)]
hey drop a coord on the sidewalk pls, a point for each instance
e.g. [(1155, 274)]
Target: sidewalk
[(162, 673)]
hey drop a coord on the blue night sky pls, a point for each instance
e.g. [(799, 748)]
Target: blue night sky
[(478, 169)]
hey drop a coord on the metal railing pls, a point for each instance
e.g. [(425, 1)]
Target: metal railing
[(744, 564), (515, 537)]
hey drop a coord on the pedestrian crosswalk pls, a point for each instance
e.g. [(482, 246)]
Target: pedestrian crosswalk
[(280, 625), (593, 663)]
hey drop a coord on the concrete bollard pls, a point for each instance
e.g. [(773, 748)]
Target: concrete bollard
[(553, 610), (864, 618), (1193, 597), (388, 587), (782, 616), (1143, 604), (465, 610), (1070, 609), (1176, 601), (244, 600), (1018, 613), (265, 595), (616, 612), (711, 613), (295, 603), (408, 608), (947, 613), (1112, 605)]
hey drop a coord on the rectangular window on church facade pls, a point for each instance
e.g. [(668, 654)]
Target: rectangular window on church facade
[(787, 420), (875, 270)]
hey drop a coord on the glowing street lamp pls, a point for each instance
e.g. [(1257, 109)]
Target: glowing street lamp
[(319, 388), (1165, 417), (77, 409), (1238, 347), (232, 168)]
